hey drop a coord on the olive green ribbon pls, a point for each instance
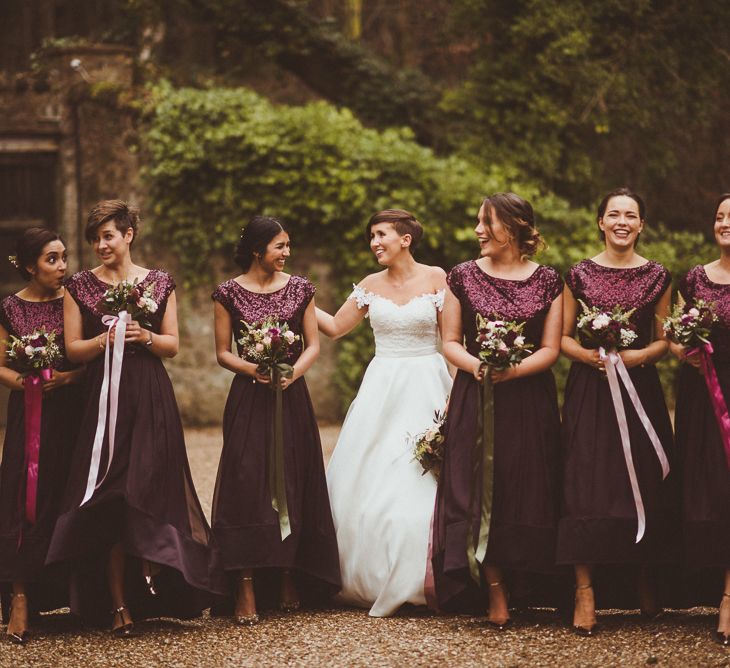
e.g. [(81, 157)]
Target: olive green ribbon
[(277, 478), (482, 462)]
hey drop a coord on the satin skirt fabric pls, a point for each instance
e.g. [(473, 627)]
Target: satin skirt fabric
[(382, 503), (147, 502)]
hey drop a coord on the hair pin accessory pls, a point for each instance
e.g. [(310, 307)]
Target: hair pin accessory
[(13, 259)]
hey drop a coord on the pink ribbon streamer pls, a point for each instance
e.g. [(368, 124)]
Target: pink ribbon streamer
[(615, 370), (33, 407), (716, 397), (109, 395)]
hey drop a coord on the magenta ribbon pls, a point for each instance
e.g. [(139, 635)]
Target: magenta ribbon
[(716, 397), (33, 408), (109, 395), (615, 370)]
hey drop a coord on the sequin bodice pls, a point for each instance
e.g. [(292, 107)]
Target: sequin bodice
[(21, 317), (697, 285), (525, 301), (287, 304), (402, 330), (637, 288), (87, 290)]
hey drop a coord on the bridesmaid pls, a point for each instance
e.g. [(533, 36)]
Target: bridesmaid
[(41, 260), (503, 281), (244, 522), (599, 517), (144, 518), (706, 480)]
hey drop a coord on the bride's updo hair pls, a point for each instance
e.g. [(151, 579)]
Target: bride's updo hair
[(518, 219), (403, 221), (124, 216), (255, 237)]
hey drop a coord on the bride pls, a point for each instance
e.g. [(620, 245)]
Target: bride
[(381, 503)]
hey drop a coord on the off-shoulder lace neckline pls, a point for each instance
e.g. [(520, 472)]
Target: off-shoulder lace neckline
[(431, 295)]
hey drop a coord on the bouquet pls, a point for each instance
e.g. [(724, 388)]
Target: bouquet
[(501, 342), (610, 330), (428, 445), (129, 297), (34, 352), (267, 344), (690, 324)]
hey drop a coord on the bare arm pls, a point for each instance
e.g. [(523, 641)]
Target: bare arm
[(548, 353), (453, 339), (223, 336), (310, 336), (8, 376), (652, 353), (79, 349), (345, 320), (569, 346)]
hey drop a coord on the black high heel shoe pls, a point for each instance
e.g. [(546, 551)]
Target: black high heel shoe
[(585, 631), (17, 638), (126, 630), (503, 625)]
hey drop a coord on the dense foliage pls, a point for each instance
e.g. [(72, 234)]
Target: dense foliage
[(217, 156)]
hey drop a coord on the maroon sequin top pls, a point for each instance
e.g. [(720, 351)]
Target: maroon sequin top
[(288, 303), (528, 300), (21, 317), (697, 285), (635, 287), (87, 290)]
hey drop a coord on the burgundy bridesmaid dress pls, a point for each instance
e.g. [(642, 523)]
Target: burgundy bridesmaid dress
[(524, 518), (244, 523), (24, 546), (598, 520), (147, 501)]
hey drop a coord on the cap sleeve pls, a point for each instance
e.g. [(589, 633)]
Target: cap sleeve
[(554, 284), (4, 320), (164, 285), (666, 279), (308, 290), (455, 281), (361, 296), (686, 285), (74, 283), (571, 279), (222, 295)]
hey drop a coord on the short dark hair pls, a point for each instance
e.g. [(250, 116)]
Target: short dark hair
[(123, 215), (620, 192), (255, 237), (722, 198), (403, 221), (30, 246), (518, 218)]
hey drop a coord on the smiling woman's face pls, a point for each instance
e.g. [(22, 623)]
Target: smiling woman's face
[(621, 222), (722, 224)]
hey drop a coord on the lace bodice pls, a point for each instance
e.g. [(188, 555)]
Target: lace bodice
[(402, 330)]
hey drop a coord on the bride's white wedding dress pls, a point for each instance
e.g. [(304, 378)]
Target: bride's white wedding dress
[(381, 502)]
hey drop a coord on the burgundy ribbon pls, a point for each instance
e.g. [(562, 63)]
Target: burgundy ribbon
[(33, 406), (716, 397)]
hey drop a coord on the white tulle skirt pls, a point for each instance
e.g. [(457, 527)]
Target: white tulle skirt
[(381, 503)]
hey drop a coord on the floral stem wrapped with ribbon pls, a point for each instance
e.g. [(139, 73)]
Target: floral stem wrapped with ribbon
[(33, 356), (690, 325), (121, 303), (502, 344), (267, 344), (611, 331)]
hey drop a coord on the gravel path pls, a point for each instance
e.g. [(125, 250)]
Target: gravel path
[(347, 637)]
